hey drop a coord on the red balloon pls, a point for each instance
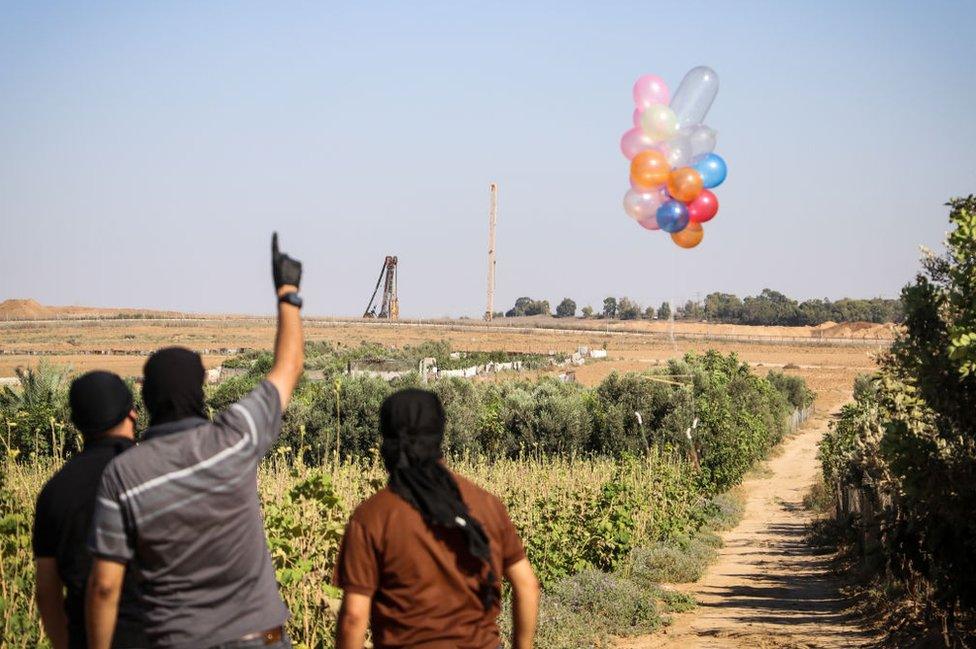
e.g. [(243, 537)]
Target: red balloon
[(703, 208)]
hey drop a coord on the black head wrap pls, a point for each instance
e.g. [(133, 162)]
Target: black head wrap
[(412, 425), (99, 401), (172, 385)]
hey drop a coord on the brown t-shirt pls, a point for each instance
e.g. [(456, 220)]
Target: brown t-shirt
[(423, 582)]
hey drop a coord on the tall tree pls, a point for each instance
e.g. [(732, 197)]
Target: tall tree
[(566, 308)]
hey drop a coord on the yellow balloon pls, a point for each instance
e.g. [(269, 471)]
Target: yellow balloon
[(690, 237), (659, 122)]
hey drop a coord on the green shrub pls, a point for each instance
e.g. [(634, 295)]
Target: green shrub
[(613, 604), (676, 560), (908, 440)]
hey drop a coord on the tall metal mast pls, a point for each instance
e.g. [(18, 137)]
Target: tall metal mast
[(492, 217)]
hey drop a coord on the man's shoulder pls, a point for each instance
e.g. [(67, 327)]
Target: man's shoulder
[(378, 506), (136, 461), (65, 480), (475, 495)]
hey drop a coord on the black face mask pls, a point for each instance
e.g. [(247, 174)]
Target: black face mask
[(172, 385)]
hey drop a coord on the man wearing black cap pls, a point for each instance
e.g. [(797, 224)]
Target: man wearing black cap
[(182, 508), (101, 409)]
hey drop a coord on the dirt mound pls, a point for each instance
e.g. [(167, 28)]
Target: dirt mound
[(828, 324), (858, 330), (22, 310)]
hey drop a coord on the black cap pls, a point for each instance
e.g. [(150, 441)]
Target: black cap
[(99, 401)]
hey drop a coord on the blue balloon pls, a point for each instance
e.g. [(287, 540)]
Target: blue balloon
[(712, 169), (672, 216)]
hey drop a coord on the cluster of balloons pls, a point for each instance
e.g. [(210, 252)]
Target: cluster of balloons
[(672, 164)]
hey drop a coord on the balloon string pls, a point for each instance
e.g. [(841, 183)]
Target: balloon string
[(674, 284)]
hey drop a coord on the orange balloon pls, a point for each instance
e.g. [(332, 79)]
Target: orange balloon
[(690, 237), (684, 184), (649, 169)]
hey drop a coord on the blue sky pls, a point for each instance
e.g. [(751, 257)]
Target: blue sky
[(148, 150)]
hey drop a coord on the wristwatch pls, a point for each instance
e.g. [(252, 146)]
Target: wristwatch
[(292, 298)]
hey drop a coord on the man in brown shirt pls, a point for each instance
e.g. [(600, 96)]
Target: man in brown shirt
[(420, 560)]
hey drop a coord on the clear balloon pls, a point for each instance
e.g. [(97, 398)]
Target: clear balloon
[(649, 170), (640, 204), (650, 89), (712, 169), (703, 208), (684, 184), (701, 138), (634, 141), (677, 150), (659, 122), (690, 236), (694, 96), (672, 216)]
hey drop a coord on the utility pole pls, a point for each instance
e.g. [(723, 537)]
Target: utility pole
[(492, 217)]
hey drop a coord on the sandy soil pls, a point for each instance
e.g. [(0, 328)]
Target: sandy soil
[(769, 588), (83, 344)]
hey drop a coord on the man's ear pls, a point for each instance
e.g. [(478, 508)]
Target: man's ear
[(133, 415)]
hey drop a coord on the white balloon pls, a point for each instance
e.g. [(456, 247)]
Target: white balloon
[(641, 205), (677, 151), (701, 138), (694, 96)]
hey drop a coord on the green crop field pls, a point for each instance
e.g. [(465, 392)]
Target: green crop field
[(609, 505)]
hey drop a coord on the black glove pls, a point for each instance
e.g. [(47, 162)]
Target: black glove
[(285, 270)]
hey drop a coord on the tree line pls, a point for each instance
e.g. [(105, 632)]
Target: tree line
[(768, 308)]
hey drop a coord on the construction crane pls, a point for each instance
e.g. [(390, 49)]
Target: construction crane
[(492, 214), (390, 304)]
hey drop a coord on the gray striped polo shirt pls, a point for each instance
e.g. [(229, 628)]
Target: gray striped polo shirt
[(182, 509)]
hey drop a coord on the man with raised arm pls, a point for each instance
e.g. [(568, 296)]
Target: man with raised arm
[(182, 510)]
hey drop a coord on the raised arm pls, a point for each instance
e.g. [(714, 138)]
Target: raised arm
[(289, 352)]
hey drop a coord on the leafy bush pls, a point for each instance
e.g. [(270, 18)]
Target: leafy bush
[(36, 416), (614, 605), (794, 388), (908, 441), (676, 560)]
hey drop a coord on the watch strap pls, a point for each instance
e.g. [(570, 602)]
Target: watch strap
[(292, 298)]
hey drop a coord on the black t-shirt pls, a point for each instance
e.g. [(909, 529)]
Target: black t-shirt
[(61, 522)]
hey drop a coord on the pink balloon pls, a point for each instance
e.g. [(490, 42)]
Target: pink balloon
[(642, 205), (637, 117), (650, 89), (634, 141), (649, 223)]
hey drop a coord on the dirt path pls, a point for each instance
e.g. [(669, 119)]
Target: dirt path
[(768, 588)]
